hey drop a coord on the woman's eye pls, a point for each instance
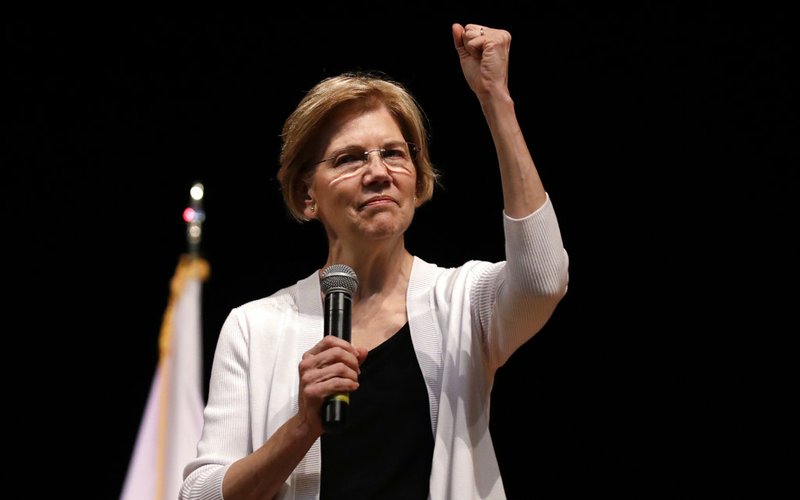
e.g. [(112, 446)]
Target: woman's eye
[(393, 153), (346, 160)]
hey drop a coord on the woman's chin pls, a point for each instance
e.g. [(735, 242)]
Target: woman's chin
[(382, 227)]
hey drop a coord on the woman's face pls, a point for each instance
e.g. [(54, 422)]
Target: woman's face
[(357, 200)]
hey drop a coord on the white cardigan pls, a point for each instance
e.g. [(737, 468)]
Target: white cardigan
[(465, 323)]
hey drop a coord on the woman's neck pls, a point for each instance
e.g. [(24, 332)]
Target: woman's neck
[(379, 268)]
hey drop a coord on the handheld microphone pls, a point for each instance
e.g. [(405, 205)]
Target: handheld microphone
[(339, 282)]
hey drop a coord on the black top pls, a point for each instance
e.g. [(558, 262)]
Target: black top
[(386, 448)]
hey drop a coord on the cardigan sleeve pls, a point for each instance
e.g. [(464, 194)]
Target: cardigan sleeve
[(225, 437), (514, 299)]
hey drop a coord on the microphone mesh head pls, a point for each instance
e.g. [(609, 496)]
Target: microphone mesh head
[(339, 277)]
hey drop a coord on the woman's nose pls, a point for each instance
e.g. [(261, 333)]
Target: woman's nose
[(376, 168)]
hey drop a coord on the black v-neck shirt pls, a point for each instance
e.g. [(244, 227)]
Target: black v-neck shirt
[(386, 448)]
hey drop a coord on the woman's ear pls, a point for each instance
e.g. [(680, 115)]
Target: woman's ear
[(310, 206)]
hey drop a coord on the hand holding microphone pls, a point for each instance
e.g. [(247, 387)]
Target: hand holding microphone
[(339, 282)]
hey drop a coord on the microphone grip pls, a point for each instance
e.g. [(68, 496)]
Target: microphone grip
[(338, 308)]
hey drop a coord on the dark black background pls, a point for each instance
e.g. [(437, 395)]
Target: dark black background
[(663, 134)]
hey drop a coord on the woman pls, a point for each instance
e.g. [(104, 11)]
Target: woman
[(426, 340)]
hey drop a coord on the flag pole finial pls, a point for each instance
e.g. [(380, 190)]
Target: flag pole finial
[(194, 216)]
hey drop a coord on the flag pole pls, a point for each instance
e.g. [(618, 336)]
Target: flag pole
[(173, 417), (191, 266)]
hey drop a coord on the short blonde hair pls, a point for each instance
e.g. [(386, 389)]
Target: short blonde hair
[(303, 129)]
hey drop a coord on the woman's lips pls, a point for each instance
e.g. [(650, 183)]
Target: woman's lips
[(378, 200)]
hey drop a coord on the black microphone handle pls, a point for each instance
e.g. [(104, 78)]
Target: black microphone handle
[(338, 308)]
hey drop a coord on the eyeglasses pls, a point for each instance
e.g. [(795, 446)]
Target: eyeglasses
[(396, 155)]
